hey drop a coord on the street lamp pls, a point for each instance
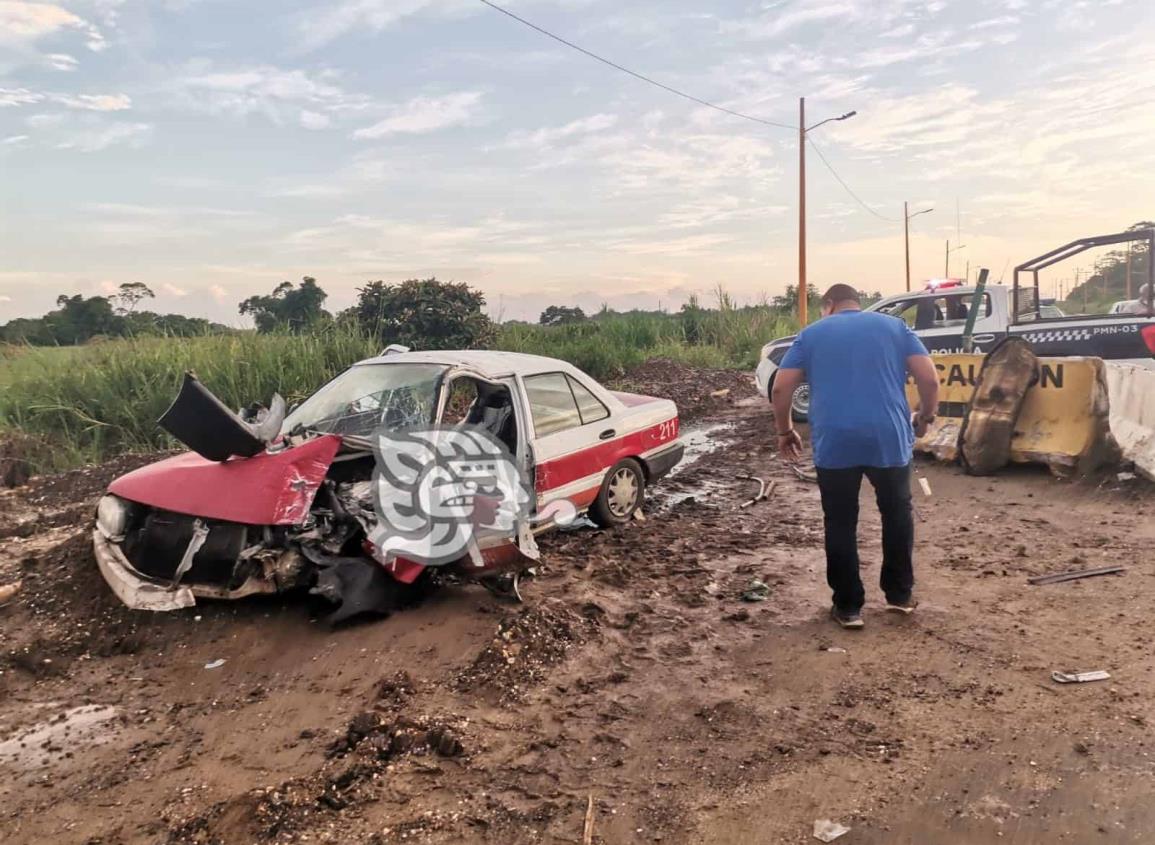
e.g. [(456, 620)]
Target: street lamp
[(906, 215), (802, 130)]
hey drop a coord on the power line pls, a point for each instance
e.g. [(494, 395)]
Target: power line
[(842, 182), (633, 73)]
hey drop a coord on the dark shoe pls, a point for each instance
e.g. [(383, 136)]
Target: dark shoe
[(846, 618), (906, 606)]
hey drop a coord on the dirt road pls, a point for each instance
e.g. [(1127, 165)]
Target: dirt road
[(635, 672)]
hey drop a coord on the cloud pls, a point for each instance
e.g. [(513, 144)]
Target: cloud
[(314, 120), (4, 298), (688, 245), (88, 102), (93, 102), (23, 23), (549, 136), (279, 94), (61, 61), (218, 293), (96, 138), (19, 97), (318, 27), (425, 114), (783, 19), (173, 290)]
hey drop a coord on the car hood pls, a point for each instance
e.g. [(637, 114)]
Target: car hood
[(201, 421), (270, 488)]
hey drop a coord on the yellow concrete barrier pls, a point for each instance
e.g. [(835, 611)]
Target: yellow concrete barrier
[(1063, 422)]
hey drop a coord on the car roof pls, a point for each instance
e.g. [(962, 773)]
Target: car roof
[(492, 363), (953, 291)]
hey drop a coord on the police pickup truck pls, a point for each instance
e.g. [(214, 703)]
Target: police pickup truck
[(939, 314)]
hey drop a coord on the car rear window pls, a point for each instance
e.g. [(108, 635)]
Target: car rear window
[(552, 404), (590, 407)]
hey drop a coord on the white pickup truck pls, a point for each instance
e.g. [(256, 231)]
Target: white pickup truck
[(938, 315)]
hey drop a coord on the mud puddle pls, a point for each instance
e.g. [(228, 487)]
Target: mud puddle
[(35, 746)]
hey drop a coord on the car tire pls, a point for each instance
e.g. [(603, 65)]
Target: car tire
[(622, 493), (799, 402)]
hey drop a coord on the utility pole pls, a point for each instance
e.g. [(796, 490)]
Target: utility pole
[(802, 297), (802, 130), (1129, 244), (906, 215)]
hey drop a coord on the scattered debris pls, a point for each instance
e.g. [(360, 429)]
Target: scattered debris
[(1126, 476), (1074, 575), (588, 827), (757, 591), (765, 490), (803, 474), (925, 485), (9, 591), (827, 831), (833, 649), (215, 664), (1079, 677)]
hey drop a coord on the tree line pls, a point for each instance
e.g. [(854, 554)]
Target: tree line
[(79, 319), (422, 313)]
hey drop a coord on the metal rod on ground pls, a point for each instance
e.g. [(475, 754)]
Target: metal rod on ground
[(765, 491), (1059, 577), (801, 473)]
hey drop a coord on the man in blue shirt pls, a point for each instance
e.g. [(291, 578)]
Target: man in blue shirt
[(860, 424)]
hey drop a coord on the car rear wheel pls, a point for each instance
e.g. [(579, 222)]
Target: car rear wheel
[(622, 493), (799, 402)]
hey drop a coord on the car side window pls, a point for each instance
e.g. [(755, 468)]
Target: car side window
[(953, 310), (551, 403), (905, 309), (589, 406)]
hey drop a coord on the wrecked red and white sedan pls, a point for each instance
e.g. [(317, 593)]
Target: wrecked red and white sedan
[(338, 494)]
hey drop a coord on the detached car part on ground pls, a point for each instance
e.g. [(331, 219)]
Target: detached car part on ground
[(269, 502)]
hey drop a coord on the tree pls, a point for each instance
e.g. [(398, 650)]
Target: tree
[(561, 315), (129, 296), (79, 319), (788, 302), (423, 314), (296, 309)]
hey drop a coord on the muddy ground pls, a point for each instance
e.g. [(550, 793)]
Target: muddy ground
[(635, 673)]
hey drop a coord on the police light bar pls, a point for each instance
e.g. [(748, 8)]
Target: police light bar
[(939, 284)]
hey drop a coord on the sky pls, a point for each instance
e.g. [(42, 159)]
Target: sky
[(213, 148)]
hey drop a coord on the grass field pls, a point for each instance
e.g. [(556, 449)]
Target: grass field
[(83, 404)]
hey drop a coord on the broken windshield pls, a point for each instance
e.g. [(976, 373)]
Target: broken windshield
[(367, 397)]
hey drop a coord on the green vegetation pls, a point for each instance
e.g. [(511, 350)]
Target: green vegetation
[(79, 319), (1109, 284), (87, 403)]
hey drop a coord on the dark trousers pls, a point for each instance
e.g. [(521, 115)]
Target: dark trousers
[(839, 488)]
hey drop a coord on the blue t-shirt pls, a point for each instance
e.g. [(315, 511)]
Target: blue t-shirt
[(855, 362)]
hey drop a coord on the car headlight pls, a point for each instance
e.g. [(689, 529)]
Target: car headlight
[(112, 516)]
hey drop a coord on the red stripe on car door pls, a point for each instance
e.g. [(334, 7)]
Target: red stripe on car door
[(601, 456)]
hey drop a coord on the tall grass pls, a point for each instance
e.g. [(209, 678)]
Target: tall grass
[(92, 402), (84, 404)]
